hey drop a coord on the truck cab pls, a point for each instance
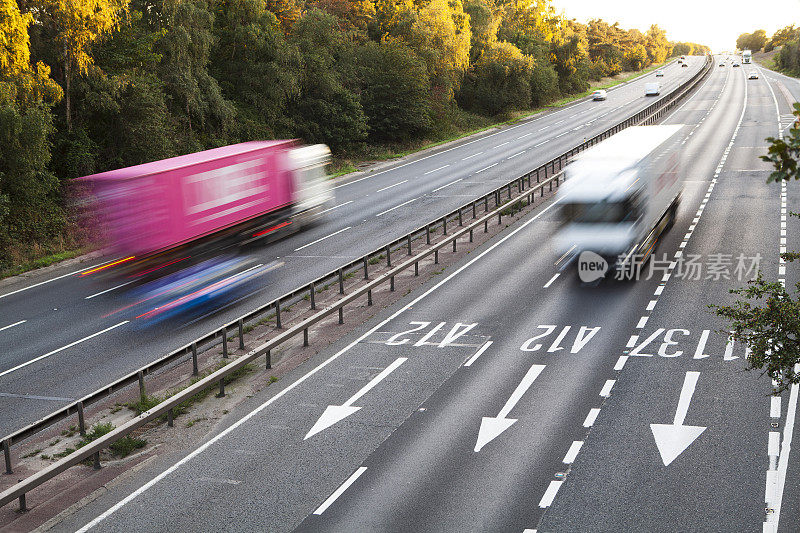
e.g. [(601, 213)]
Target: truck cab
[(619, 196)]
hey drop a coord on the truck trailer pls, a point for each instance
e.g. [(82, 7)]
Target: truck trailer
[(164, 215), (619, 196)]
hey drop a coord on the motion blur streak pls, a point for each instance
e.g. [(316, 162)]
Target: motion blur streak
[(98, 269)]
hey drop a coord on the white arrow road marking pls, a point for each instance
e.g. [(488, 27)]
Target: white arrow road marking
[(335, 413), (491, 427), (672, 439)]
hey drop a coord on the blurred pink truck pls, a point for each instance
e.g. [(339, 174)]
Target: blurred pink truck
[(185, 208)]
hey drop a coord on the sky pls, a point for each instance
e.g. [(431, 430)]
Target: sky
[(715, 23)]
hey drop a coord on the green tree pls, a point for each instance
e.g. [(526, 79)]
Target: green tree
[(395, 91), (499, 81), (256, 67), (327, 109), (194, 97), (785, 35)]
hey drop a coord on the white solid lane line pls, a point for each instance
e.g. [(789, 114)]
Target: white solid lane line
[(396, 207), (390, 186), (471, 156), (70, 345), (338, 492), (336, 207), (435, 170), (487, 168), (449, 184), (323, 238), (478, 353), (107, 290), (551, 280), (12, 325)]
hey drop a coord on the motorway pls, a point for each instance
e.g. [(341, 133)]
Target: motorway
[(63, 336), (533, 402)]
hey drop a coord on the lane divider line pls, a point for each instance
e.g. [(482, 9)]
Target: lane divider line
[(329, 236), (70, 345), (338, 492)]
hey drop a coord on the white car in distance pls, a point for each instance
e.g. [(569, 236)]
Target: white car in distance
[(599, 94), (652, 89)]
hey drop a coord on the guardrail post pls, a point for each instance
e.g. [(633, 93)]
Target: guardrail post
[(81, 421), (312, 292), (341, 281), (221, 388), (509, 191), (436, 257), (416, 268), (195, 370), (369, 297), (389, 256), (170, 418), (454, 245), (499, 218), (341, 315), (428, 233), (545, 173), (7, 456), (444, 225), (268, 357), (278, 314), (460, 220), (241, 334), (485, 204), (97, 460), (486, 226), (409, 245), (497, 198), (366, 275), (391, 284), (142, 391), (305, 337), (470, 235), (474, 214), (224, 343), (23, 508)]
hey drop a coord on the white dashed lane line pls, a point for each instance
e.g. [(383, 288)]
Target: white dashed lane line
[(391, 186)]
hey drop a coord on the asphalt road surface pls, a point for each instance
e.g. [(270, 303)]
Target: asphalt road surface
[(504, 397), (64, 336)]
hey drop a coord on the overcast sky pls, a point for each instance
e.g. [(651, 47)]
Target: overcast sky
[(715, 23)]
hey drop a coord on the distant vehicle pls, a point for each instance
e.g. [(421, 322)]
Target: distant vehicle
[(747, 57), (680, 61), (722, 64), (166, 215), (652, 89), (685, 65), (659, 74), (599, 94), (620, 196), (736, 64), (683, 58), (753, 76)]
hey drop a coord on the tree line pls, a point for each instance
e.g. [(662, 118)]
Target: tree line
[(92, 85)]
